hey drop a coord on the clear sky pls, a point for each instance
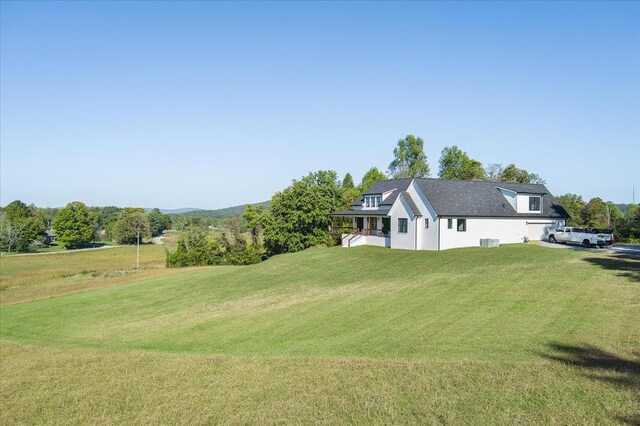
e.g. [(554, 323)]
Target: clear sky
[(207, 104)]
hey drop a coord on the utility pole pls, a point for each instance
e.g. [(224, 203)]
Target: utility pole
[(138, 252)]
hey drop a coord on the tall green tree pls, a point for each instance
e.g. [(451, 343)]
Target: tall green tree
[(573, 204), (409, 160), (74, 225), (595, 213), (613, 213), (627, 228), (298, 216), (370, 177), (158, 222), (21, 226), (511, 173), (131, 223), (108, 218), (456, 164), (347, 182), (253, 216), (349, 191)]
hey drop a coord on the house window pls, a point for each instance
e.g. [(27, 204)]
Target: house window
[(462, 225), (534, 204), (372, 200), (426, 223), (402, 226), (449, 223)]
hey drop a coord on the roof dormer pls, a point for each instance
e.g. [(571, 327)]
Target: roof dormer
[(510, 196), (372, 201)]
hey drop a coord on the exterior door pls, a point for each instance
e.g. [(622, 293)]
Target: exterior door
[(386, 226), (360, 222), (372, 223)]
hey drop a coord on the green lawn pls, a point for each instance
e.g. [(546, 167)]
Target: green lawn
[(518, 334), (29, 277)]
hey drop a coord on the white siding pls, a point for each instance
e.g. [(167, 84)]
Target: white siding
[(350, 240), (427, 238), (402, 241), (522, 202), (505, 230), (539, 230), (377, 241)]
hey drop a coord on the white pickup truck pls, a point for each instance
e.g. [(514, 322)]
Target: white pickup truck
[(586, 237)]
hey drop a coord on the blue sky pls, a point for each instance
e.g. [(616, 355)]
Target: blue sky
[(203, 104)]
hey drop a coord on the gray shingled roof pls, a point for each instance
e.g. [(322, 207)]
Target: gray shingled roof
[(461, 198), (479, 198), (412, 204), (382, 186)]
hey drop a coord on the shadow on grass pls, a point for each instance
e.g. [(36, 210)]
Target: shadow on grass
[(626, 265), (601, 365)]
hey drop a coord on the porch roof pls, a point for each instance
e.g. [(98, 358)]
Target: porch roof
[(382, 211)]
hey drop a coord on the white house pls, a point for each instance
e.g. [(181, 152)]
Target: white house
[(438, 214)]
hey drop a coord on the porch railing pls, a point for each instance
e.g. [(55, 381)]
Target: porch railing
[(337, 231)]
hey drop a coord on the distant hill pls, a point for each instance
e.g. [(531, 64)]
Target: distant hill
[(175, 211), (623, 207), (225, 213)]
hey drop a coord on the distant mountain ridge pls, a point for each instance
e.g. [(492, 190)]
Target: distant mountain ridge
[(175, 211), (224, 213)]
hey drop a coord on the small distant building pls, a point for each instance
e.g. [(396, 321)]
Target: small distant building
[(49, 236)]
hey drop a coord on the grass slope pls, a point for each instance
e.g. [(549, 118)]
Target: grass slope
[(515, 334), (29, 277)]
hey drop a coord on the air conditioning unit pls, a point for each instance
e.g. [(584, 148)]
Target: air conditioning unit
[(489, 242)]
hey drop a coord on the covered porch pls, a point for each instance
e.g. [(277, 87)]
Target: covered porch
[(356, 228)]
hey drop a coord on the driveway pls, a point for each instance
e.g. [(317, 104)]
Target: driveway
[(628, 249)]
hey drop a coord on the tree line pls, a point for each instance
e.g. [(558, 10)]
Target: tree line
[(23, 227), (623, 220), (296, 217)]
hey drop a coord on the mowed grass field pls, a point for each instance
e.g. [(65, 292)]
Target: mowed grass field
[(518, 334), (36, 276)]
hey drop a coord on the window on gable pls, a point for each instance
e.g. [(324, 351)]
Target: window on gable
[(367, 201), (449, 223), (378, 197), (462, 225), (426, 223), (402, 225), (534, 204)]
